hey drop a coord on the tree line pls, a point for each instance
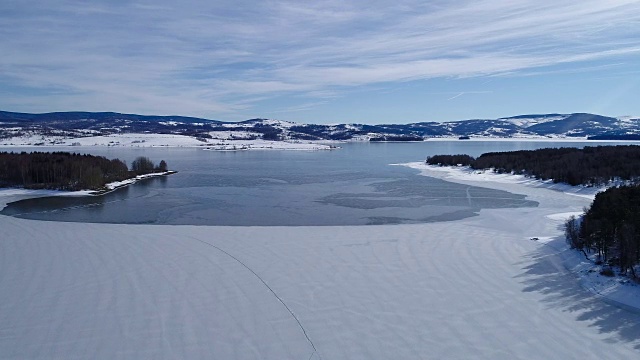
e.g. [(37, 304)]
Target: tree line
[(68, 171), (588, 166), (610, 228)]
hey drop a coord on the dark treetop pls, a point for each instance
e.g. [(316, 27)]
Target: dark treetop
[(68, 171), (589, 166)]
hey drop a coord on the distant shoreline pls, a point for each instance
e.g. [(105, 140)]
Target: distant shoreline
[(134, 140), (140, 140)]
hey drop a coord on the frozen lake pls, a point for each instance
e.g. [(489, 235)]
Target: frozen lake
[(476, 288), (355, 185)]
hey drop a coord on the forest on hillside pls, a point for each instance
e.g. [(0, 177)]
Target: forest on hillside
[(591, 166), (68, 171)]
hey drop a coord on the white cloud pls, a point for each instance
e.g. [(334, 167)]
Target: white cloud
[(201, 58)]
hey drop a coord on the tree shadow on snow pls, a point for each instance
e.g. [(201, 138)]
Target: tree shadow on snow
[(544, 273)]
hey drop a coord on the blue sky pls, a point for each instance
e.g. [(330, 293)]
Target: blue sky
[(322, 62)]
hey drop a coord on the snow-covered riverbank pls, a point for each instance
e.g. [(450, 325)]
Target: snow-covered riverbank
[(476, 288)]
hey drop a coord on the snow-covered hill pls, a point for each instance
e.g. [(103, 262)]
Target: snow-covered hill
[(63, 128)]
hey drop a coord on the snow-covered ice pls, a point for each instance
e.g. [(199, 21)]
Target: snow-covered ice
[(505, 181), (477, 288), (617, 290)]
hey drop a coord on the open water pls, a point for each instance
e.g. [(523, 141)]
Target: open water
[(354, 185)]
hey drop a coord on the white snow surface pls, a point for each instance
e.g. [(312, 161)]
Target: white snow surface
[(488, 178), (231, 145), (629, 118), (118, 184), (477, 288), (528, 121), (617, 290), (166, 140)]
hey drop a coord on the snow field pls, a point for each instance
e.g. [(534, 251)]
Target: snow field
[(164, 140), (477, 288)]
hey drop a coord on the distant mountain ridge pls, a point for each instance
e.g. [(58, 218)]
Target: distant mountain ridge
[(83, 124)]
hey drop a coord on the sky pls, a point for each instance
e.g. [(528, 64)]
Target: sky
[(322, 62)]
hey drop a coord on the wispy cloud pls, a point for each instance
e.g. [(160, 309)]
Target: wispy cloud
[(456, 96), (467, 93), (211, 59)]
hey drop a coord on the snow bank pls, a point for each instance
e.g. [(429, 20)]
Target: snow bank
[(473, 288), (617, 290), (489, 179), (119, 184)]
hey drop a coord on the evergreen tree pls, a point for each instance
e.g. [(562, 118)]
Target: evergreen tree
[(142, 165)]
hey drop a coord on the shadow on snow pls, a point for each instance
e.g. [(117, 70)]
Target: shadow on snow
[(544, 273)]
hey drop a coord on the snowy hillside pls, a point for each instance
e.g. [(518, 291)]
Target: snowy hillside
[(75, 127), (525, 121)]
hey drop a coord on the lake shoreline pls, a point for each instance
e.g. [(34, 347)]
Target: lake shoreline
[(18, 193)]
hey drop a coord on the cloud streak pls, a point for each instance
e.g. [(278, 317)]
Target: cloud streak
[(212, 59), (468, 92)]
